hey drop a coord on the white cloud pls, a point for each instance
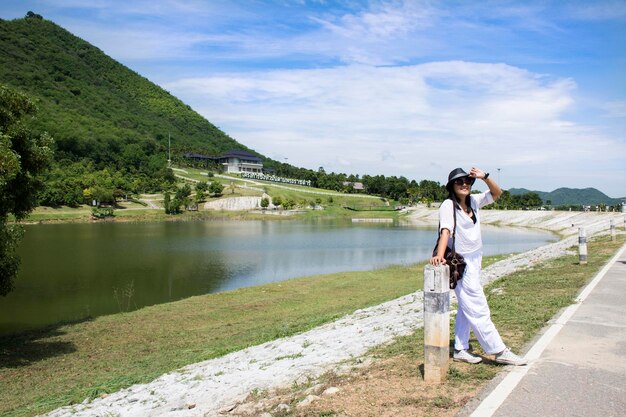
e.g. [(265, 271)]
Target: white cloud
[(167, 31), (418, 121), (143, 7), (136, 43), (596, 10), (383, 21), (412, 120), (379, 33), (385, 33), (615, 108)]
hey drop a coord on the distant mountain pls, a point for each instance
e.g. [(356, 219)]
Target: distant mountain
[(93, 106), (571, 196)]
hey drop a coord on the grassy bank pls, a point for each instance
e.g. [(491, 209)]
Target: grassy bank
[(521, 305), (82, 214), (43, 370), (304, 197)]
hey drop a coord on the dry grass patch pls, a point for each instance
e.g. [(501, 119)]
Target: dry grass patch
[(392, 383)]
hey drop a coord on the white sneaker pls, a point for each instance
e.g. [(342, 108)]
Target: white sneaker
[(509, 358), (465, 356)]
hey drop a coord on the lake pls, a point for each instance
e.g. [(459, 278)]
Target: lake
[(73, 271)]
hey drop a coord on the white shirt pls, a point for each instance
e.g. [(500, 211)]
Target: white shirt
[(468, 238)]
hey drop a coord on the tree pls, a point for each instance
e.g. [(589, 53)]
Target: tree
[(216, 188), (33, 15), (24, 156), (181, 198), (167, 201), (201, 189), (183, 192), (289, 203), (265, 202), (277, 200), (174, 206), (103, 196)]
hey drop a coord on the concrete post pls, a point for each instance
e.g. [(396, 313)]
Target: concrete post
[(436, 323), (613, 236), (582, 246)]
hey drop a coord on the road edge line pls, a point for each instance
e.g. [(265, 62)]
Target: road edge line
[(494, 400)]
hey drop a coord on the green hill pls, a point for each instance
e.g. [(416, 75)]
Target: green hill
[(571, 196), (100, 113)]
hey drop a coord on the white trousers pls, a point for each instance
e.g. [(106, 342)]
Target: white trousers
[(473, 312)]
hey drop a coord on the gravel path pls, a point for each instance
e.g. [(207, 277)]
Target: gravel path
[(218, 385)]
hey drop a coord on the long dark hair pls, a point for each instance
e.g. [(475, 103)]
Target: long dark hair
[(455, 202)]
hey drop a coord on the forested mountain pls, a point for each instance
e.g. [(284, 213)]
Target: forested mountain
[(101, 114), (571, 196), (111, 125)]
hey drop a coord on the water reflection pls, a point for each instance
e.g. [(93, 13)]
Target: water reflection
[(72, 271)]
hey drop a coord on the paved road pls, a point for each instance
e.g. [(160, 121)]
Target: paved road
[(578, 367)]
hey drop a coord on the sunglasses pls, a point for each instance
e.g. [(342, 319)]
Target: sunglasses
[(464, 181)]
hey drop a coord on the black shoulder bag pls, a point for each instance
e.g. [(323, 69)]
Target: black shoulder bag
[(455, 261)]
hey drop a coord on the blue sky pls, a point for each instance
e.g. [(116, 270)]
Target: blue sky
[(413, 88)]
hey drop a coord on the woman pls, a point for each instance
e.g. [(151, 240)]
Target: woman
[(473, 311)]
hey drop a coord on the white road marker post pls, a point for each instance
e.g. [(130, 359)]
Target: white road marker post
[(436, 323), (582, 246), (613, 236)]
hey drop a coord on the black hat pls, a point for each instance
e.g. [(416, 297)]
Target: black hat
[(454, 174)]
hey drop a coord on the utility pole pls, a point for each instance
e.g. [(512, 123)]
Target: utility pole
[(169, 150), (498, 176)]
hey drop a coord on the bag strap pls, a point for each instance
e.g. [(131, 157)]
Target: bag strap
[(454, 203), (454, 273), (453, 229)]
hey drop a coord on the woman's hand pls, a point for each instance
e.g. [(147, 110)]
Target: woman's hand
[(477, 173), (441, 248), (495, 189), (437, 260)]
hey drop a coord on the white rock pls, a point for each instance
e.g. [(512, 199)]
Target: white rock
[(307, 401), (282, 408), (248, 409), (331, 391), (315, 389)]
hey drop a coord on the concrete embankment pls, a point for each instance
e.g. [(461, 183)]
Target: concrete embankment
[(234, 204), (565, 223)]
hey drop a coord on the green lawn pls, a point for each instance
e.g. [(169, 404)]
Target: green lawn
[(65, 364), (303, 198)]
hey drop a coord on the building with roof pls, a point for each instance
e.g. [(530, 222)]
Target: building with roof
[(240, 161), (233, 162), (355, 185)]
